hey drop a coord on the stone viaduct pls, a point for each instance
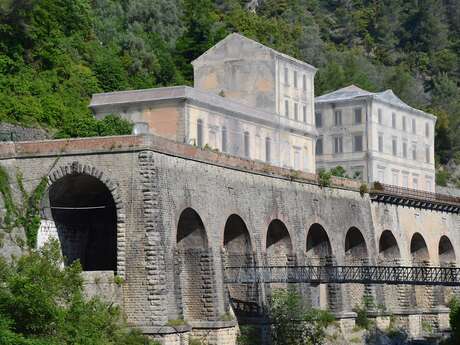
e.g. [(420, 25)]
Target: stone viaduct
[(167, 218)]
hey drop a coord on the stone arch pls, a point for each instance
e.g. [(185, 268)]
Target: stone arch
[(394, 296), (356, 254), (81, 197), (355, 247), (191, 233), (421, 296), (446, 252), (419, 250), (447, 257), (278, 245), (319, 252), (194, 268), (318, 244), (389, 253), (238, 252)]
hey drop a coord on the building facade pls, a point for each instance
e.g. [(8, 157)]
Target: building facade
[(375, 137), (248, 100)]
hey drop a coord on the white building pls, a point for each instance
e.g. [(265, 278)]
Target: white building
[(375, 136), (248, 100)]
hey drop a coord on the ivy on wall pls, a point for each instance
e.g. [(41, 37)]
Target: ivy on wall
[(25, 215)]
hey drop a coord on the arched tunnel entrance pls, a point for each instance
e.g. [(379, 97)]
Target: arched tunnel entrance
[(84, 214), (447, 258), (421, 296)]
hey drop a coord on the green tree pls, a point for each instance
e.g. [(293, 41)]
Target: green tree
[(295, 324), (43, 303)]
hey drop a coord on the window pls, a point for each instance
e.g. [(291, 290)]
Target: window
[(404, 123), (358, 116), (304, 113), (304, 82), (338, 144), (318, 120), (415, 183), (224, 139), (380, 142), (427, 155), (337, 118), (380, 116), (428, 184), (296, 111), (286, 76), (414, 151), (199, 133), (295, 79), (286, 107), (358, 173), (358, 143), (268, 149), (405, 180), (319, 146), (404, 149), (394, 142), (381, 175), (395, 180), (246, 144), (393, 120), (414, 126), (297, 158), (427, 130)]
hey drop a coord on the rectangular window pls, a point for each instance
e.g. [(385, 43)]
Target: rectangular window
[(319, 146), (286, 76), (358, 143), (358, 116), (337, 118), (405, 180), (296, 111), (380, 116), (414, 152), (427, 155), (414, 126), (224, 139), (338, 144), (395, 178), (404, 123), (304, 82), (304, 108), (199, 133), (415, 183), (318, 120), (380, 142), (428, 184), (427, 130), (394, 142), (246, 144), (295, 79), (404, 149), (296, 158), (393, 120), (268, 150), (381, 176), (286, 108)]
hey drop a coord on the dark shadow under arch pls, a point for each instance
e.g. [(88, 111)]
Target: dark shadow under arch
[(419, 250), (318, 244), (278, 239), (191, 233), (355, 245), (85, 215), (446, 252), (388, 247)]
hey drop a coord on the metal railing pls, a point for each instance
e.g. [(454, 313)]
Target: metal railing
[(381, 188), (411, 275)]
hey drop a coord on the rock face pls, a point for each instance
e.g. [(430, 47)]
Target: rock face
[(10, 132)]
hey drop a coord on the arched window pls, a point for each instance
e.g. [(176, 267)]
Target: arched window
[(268, 149), (246, 144), (199, 133), (224, 139)]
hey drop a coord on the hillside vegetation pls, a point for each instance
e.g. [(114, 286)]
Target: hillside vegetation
[(55, 53)]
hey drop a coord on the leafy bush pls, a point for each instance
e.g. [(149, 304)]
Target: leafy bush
[(43, 303), (324, 178), (249, 335), (295, 324), (363, 189)]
